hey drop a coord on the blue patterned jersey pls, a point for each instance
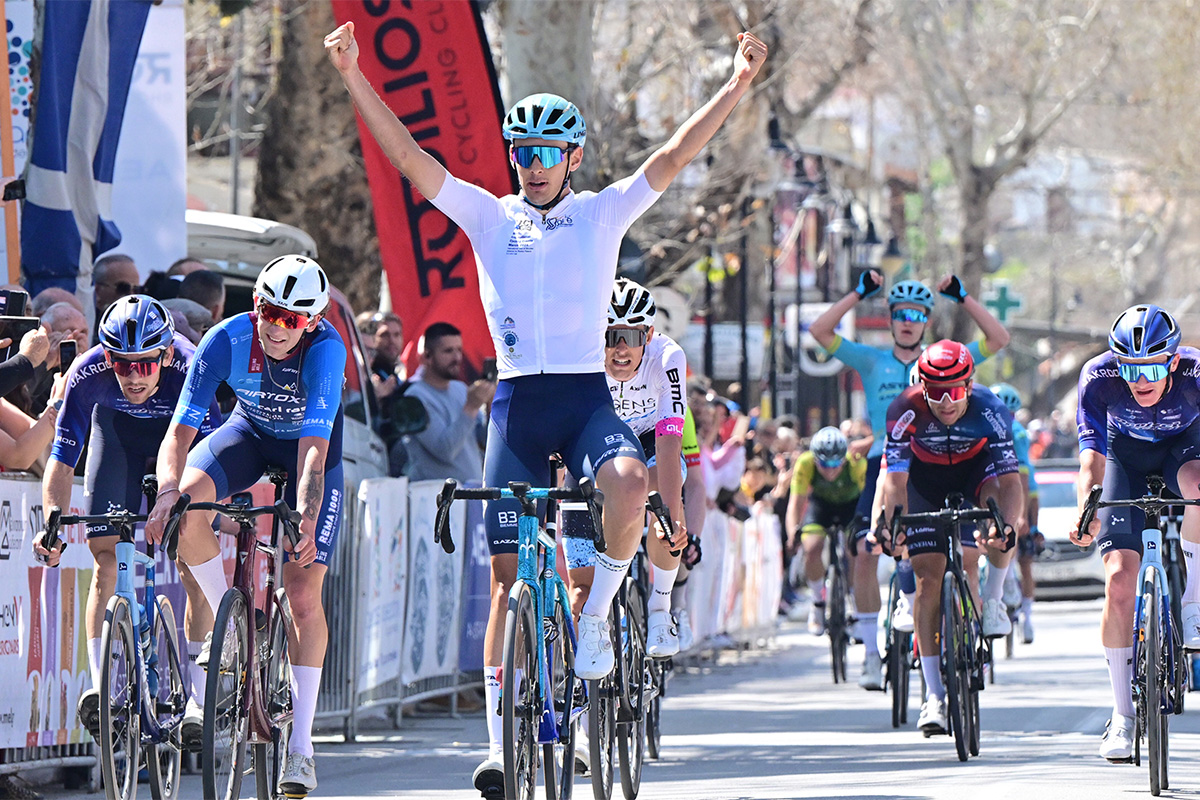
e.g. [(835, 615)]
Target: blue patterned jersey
[(915, 433)]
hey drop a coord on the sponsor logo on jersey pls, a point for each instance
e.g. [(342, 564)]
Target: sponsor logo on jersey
[(901, 424), (508, 324), (554, 223), (1000, 426)]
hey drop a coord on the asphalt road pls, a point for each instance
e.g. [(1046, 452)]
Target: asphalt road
[(771, 724)]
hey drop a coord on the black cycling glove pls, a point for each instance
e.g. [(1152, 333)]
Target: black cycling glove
[(867, 286), (955, 290)]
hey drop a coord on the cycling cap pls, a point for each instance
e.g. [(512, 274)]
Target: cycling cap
[(136, 323), (945, 362), (829, 446), (1144, 331), (631, 304), (911, 292), (296, 283), (1008, 395), (545, 116)]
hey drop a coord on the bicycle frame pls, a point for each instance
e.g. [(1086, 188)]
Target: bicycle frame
[(1152, 565)]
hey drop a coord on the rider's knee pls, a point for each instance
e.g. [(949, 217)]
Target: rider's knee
[(1121, 587), (628, 481)]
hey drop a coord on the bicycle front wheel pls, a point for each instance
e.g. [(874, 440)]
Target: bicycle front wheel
[(899, 662), (223, 744), (521, 703), (270, 758), (602, 711), (835, 618), (560, 661), (1154, 651), (955, 673), (631, 735), (658, 675), (120, 715), (163, 760)]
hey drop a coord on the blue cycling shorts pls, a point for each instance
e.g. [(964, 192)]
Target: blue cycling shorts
[(237, 454), (536, 415), (121, 450), (1126, 467)]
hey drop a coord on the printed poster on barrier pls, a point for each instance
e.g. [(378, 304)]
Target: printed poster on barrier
[(383, 579), (477, 588), (431, 634)]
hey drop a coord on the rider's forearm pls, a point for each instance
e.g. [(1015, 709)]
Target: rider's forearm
[(310, 490), (995, 335), (1091, 473), (172, 456), (822, 328), (670, 474), (1012, 498), (667, 162), (695, 507), (56, 484), (797, 505), (895, 493)]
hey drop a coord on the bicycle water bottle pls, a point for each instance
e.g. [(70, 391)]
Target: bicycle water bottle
[(149, 658)]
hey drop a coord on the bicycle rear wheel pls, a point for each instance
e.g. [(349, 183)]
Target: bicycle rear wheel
[(631, 735), (955, 674), (164, 760), (835, 617), (226, 692), (270, 758), (601, 732), (521, 705), (120, 714), (1153, 651), (658, 675), (899, 661), (560, 660)]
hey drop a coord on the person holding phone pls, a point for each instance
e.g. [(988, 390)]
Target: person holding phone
[(449, 446)]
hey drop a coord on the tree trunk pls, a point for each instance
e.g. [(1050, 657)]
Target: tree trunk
[(976, 189), (310, 167)]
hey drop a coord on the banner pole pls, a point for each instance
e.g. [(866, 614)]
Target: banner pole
[(8, 165)]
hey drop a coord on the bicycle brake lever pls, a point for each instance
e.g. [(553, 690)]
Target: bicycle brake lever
[(50, 539), (1089, 513), (171, 533), (441, 522), (588, 490), (659, 509)]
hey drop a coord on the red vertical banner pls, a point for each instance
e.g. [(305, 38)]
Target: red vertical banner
[(431, 64)]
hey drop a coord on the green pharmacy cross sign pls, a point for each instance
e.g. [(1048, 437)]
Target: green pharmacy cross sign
[(1002, 301)]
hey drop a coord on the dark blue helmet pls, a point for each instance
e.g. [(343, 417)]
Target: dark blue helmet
[(136, 324), (1144, 331)]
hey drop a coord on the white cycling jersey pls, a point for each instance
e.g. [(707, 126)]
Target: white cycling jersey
[(546, 283), (653, 399)]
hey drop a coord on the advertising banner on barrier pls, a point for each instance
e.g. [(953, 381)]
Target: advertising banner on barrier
[(383, 579), (477, 589), (431, 634)]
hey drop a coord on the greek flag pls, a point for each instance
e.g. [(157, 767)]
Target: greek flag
[(88, 53)]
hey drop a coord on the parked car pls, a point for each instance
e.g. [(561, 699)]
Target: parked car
[(1063, 571)]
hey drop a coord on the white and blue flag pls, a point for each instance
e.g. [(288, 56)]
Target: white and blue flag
[(89, 48)]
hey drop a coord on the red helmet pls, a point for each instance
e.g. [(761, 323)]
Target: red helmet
[(945, 362)]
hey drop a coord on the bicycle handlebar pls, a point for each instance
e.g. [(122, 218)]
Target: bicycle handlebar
[(948, 516), (56, 519), (287, 516), (1149, 502)]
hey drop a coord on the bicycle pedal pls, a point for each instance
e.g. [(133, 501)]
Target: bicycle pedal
[(1126, 760)]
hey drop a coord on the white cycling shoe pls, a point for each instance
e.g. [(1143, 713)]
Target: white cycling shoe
[(662, 639), (872, 673), (932, 721), (593, 651), (299, 776), (1191, 626), (686, 636), (996, 622), (1117, 744), (902, 617)]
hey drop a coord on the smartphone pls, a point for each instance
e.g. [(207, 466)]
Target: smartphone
[(490, 371), (15, 301), (67, 350), (14, 328)]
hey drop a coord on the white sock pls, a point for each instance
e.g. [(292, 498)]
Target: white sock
[(196, 677), (1191, 587), (1027, 607), (1120, 675), (662, 583), (606, 582), (306, 684), (868, 627), (993, 587), (931, 668), (210, 577), (94, 657), (491, 710)]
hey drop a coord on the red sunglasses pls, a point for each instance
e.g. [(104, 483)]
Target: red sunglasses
[(940, 394), (283, 317), (142, 367)]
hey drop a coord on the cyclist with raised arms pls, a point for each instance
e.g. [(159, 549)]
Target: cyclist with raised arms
[(826, 483), (1139, 414), (547, 259), (126, 388), (285, 363), (884, 372), (948, 435), (646, 373)]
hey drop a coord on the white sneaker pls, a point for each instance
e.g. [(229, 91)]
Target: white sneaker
[(816, 620), (684, 623), (872, 672), (662, 639), (191, 730), (995, 619), (489, 776), (299, 776), (932, 721), (1027, 629), (1191, 626), (902, 617), (594, 650), (227, 651), (1117, 743)]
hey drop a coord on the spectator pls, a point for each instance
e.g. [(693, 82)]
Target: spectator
[(185, 266), (196, 318), (383, 334), (113, 277), (62, 322), (48, 297), (449, 447), (207, 288)]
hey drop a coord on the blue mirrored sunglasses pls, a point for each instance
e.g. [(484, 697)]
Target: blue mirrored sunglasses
[(828, 463), (1151, 372), (909, 315), (549, 155)]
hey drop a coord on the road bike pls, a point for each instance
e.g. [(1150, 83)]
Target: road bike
[(900, 658), (541, 699), (1159, 662), (837, 618), (248, 695), (142, 691)]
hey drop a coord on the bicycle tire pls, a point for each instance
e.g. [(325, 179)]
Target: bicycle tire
[(1156, 720), (631, 735), (226, 717), (899, 653), (954, 674), (270, 758), (601, 732), (658, 673), (560, 660), (835, 620), (973, 648), (164, 761), (120, 714), (520, 705)]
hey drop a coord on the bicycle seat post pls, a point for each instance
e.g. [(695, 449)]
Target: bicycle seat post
[(278, 477)]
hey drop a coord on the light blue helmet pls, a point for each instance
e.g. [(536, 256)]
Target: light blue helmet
[(1008, 395), (1144, 331), (136, 324), (545, 116), (911, 292)]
